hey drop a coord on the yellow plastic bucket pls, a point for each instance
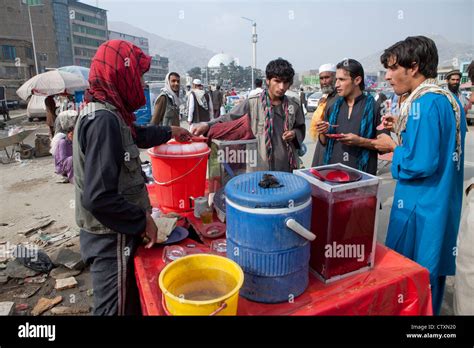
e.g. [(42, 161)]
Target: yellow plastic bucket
[(201, 284)]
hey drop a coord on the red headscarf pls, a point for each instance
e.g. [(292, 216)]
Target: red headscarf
[(115, 74)]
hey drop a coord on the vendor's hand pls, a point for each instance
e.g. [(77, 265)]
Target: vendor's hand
[(288, 136), (180, 134), (384, 143), (200, 129), (322, 127), (389, 121), (149, 235), (350, 139)]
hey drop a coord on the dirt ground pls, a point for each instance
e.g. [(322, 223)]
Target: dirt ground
[(30, 192)]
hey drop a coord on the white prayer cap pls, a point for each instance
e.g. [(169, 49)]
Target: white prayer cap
[(327, 67), (197, 82)]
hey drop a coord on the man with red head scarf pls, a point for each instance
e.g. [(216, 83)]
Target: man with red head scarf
[(112, 204)]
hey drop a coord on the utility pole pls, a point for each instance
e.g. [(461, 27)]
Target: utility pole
[(30, 3), (254, 47)]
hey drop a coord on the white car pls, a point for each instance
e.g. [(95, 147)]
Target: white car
[(313, 101)]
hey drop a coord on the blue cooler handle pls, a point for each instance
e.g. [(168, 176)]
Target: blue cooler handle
[(301, 230)]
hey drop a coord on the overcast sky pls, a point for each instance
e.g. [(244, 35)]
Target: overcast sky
[(306, 32)]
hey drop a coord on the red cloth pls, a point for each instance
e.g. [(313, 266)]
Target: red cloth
[(395, 286), (233, 130), (115, 77)]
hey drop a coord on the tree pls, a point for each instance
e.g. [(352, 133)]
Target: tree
[(224, 75), (195, 73), (234, 75)]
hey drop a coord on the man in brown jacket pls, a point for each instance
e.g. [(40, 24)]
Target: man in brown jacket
[(166, 110)]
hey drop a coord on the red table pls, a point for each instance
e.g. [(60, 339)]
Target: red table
[(395, 286)]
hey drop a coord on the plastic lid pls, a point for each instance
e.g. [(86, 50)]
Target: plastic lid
[(176, 149), (245, 191)]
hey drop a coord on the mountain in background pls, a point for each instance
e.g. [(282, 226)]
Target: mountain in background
[(182, 56), (447, 51)]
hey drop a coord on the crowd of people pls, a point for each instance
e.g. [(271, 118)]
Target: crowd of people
[(424, 127)]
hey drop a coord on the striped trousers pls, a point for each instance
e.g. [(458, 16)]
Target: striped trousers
[(110, 257)]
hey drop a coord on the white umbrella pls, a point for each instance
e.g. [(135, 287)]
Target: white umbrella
[(51, 83), (76, 69)]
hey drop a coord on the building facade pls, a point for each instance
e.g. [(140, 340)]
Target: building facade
[(309, 78), (442, 71), (465, 77), (158, 69), (88, 31), (15, 25), (159, 66), (16, 65), (138, 41), (211, 72), (17, 62), (66, 32), (62, 30)]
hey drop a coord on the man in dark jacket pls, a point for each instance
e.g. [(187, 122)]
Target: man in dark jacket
[(199, 104), (217, 101), (112, 204)]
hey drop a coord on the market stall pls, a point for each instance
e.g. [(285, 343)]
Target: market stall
[(304, 242), (395, 286)]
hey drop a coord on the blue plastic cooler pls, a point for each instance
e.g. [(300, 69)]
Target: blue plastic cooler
[(267, 235)]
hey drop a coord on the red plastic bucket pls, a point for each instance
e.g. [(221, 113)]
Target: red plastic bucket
[(179, 170)]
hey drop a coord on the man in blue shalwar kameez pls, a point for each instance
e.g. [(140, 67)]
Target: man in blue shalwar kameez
[(428, 162)]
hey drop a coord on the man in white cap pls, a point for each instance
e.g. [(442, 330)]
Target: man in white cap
[(350, 123), (199, 104), (327, 80)]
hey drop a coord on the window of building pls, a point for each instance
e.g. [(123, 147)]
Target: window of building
[(87, 30), (29, 52), (89, 19), (85, 52), (8, 52), (87, 41)]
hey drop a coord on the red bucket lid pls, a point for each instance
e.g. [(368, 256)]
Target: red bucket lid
[(174, 148)]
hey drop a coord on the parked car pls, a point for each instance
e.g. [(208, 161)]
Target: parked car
[(13, 104), (313, 101)]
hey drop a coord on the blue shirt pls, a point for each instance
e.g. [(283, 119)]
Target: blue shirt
[(426, 210)]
